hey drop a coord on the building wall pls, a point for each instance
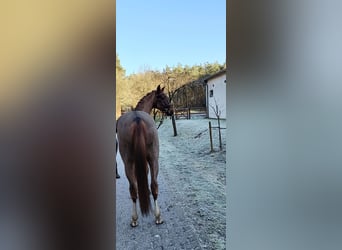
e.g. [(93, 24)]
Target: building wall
[(218, 88)]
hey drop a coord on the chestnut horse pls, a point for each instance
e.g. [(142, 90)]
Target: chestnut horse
[(139, 147)]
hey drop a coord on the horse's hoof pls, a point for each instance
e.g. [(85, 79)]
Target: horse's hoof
[(159, 221), (134, 223)]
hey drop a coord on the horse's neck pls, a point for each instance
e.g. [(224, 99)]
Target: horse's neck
[(146, 103)]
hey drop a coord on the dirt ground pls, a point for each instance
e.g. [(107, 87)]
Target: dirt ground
[(192, 182)]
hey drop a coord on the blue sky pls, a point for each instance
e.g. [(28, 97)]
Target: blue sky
[(156, 33)]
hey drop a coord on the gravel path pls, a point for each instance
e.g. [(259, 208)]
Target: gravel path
[(192, 193)]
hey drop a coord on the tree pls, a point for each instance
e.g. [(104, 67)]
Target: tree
[(217, 110), (120, 85), (130, 89)]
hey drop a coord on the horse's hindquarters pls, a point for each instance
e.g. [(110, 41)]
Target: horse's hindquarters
[(139, 147)]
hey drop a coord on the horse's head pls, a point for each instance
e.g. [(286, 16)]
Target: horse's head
[(162, 102)]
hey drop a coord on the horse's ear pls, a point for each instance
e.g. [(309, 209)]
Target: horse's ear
[(162, 89), (158, 88)]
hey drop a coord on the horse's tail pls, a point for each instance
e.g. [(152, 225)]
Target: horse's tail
[(140, 164)]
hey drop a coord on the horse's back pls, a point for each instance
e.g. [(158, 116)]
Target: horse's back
[(128, 118), (124, 130)]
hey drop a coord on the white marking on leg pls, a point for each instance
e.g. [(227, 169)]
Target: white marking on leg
[(134, 221), (156, 207), (157, 213)]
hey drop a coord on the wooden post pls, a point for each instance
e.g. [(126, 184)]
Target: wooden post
[(219, 128), (174, 125), (189, 114), (211, 138)]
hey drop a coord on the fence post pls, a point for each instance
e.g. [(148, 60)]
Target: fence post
[(219, 128), (211, 138), (174, 125), (189, 112)]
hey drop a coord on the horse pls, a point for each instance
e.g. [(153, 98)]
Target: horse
[(139, 147)]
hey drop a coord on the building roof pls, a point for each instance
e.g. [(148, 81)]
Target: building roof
[(219, 73)]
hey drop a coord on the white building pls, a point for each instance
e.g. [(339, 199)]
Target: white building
[(216, 94)]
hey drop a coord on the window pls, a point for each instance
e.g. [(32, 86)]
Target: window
[(211, 93)]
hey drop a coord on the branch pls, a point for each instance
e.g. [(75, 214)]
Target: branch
[(215, 109)]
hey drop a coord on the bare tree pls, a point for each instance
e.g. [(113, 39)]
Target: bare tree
[(217, 112)]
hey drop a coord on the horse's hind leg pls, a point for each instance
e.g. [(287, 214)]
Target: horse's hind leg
[(159, 220), (133, 191), (154, 189)]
